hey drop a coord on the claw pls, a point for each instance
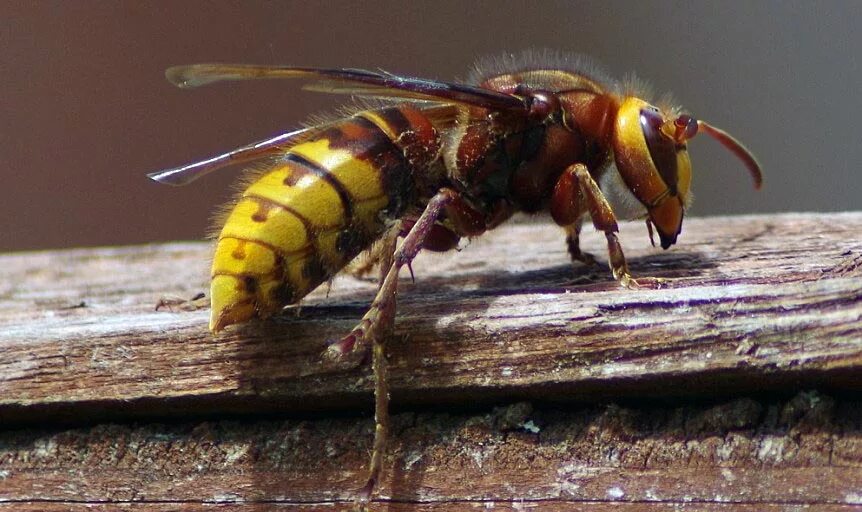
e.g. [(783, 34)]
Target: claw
[(338, 349), (364, 497), (649, 229), (169, 301), (629, 282)]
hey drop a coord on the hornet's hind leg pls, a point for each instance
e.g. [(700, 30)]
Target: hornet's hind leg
[(373, 328)]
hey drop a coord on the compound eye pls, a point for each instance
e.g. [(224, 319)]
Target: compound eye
[(662, 148)]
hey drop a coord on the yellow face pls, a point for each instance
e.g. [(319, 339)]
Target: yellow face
[(652, 158)]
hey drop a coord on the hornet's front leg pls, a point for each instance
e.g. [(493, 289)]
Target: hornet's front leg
[(575, 193), (379, 319)]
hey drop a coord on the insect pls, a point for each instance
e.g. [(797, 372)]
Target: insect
[(438, 162)]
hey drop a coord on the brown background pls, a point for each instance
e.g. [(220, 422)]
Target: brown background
[(85, 111)]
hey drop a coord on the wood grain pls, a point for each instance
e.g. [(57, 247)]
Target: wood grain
[(736, 383), (736, 455), (752, 303)]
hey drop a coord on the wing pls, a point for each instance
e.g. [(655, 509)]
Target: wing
[(186, 174), (340, 81), (357, 82), (442, 116)]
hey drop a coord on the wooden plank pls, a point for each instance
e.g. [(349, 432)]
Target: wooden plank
[(753, 303), (540, 506), (713, 377), (739, 455)]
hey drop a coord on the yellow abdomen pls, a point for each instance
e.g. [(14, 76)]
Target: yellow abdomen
[(324, 202)]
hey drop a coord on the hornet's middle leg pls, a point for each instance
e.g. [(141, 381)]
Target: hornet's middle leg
[(573, 243), (378, 320)]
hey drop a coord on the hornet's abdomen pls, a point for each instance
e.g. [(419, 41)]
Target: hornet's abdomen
[(325, 201)]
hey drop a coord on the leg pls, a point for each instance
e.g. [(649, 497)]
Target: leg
[(351, 351), (381, 420), (604, 220), (197, 302), (378, 320), (567, 209), (383, 306), (573, 232)]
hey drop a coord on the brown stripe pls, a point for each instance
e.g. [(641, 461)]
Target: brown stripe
[(296, 174), (275, 249), (396, 122), (283, 293), (311, 251), (362, 138), (249, 281), (396, 169), (326, 174), (310, 228), (411, 132), (368, 142), (358, 136)]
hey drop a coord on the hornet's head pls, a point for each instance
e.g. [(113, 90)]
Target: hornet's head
[(650, 151)]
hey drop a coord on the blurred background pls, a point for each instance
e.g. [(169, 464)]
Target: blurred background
[(85, 110)]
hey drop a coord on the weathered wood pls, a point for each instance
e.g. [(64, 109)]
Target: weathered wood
[(740, 455), (753, 303), (540, 506), (758, 309)]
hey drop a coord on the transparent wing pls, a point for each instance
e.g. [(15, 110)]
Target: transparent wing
[(186, 174), (442, 116), (358, 82)]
